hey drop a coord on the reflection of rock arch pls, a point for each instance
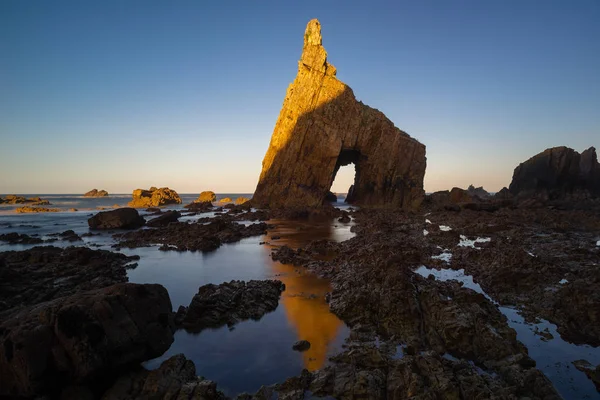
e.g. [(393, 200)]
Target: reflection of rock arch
[(308, 314), (320, 125)]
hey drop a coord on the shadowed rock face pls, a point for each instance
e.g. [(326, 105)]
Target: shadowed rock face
[(558, 173), (322, 127)]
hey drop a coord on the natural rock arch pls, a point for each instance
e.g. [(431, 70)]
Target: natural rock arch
[(322, 127)]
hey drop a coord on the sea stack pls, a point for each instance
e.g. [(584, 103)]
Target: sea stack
[(322, 127)]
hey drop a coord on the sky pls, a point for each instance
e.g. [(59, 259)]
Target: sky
[(118, 95)]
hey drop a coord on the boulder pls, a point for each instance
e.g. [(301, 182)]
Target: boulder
[(458, 196), (231, 302), (96, 193), (154, 197), (225, 200), (322, 127), (241, 200), (206, 196), (121, 218), (301, 345), (82, 336), (164, 219), (199, 206), (558, 173), (175, 379)]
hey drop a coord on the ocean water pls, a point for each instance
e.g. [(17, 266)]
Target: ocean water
[(252, 353)]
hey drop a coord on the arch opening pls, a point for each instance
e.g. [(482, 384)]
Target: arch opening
[(345, 174)]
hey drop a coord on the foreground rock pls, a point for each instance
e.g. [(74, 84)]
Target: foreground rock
[(27, 209), (195, 236), (76, 338), (322, 127), (121, 218), (96, 193), (558, 173), (229, 303), (44, 273), (175, 379), (154, 197)]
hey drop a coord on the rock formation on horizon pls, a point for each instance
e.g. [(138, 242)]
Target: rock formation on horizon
[(322, 127), (558, 173), (154, 197), (96, 193)]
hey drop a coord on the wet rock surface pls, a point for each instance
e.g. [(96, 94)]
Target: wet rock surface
[(154, 197), (19, 238), (121, 218), (28, 209), (79, 337), (195, 236), (175, 379), (229, 303), (164, 219), (322, 127), (45, 273)]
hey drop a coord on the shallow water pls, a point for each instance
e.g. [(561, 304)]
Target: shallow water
[(553, 357), (253, 353)]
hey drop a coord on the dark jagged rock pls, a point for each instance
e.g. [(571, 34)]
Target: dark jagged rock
[(96, 193), (175, 379), (231, 302), (322, 127), (199, 206), (183, 236), (18, 238), (591, 372), (479, 192), (331, 197), (44, 273), (558, 173), (164, 219), (78, 337), (121, 218), (154, 197)]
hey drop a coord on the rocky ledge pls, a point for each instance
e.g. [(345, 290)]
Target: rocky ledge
[(83, 338), (34, 201), (229, 303), (28, 209), (44, 273), (195, 236)]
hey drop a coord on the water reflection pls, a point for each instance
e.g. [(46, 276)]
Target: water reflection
[(304, 297)]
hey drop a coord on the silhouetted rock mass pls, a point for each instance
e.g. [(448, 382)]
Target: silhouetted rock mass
[(558, 173), (121, 218), (82, 336), (322, 127), (96, 193), (478, 192), (154, 197)]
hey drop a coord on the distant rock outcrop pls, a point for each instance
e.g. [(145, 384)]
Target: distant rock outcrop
[(121, 218), (225, 200), (28, 209), (154, 197), (96, 193), (478, 192), (558, 173), (34, 201), (241, 200), (322, 127), (206, 196)]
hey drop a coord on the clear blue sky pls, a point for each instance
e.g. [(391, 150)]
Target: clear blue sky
[(125, 94)]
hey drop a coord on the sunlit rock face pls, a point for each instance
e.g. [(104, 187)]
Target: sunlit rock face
[(322, 127)]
